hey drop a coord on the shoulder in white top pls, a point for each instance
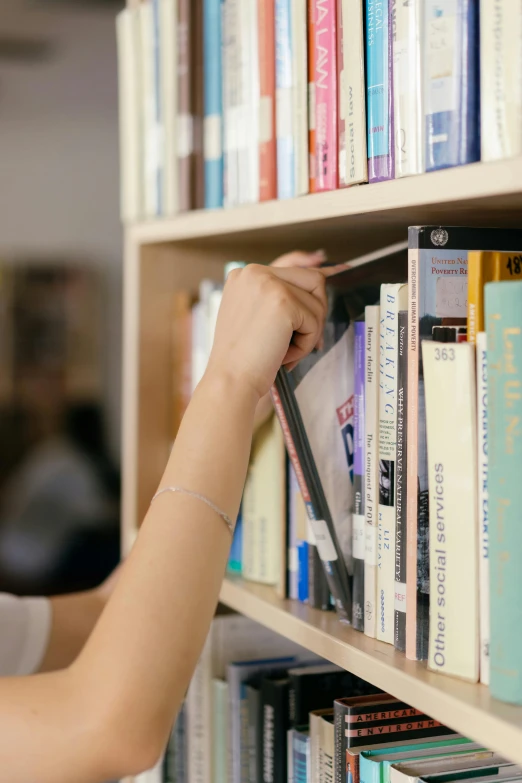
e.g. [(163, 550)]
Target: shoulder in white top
[(25, 625)]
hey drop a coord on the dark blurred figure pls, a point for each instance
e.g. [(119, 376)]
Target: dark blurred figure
[(59, 508)]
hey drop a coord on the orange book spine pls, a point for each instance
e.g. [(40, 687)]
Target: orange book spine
[(311, 95), (267, 118)]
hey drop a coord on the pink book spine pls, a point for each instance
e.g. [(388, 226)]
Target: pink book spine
[(326, 95)]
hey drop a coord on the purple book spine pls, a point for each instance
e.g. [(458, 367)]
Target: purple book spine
[(358, 478)]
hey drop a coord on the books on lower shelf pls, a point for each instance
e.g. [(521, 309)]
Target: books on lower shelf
[(259, 709), (224, 102)]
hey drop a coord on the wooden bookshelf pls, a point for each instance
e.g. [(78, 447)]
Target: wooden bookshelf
[(161, 256)]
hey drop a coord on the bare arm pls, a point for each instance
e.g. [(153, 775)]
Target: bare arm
[(110, 713)]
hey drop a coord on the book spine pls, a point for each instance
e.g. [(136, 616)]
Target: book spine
[(477, 261), (483, 519), (371, 395), (150, 109), (299, 95), (325, 94), (185, 120), (358, 518), (197, 164), (353, 150), (220, 732), (449, 376), (340, 745), (399, 635), (228, 37), (293, 488), (312, 162), (407, 99), (391, 297), (451, 95), (252, 98), (235, 558), (379, 90), (504, 342), (500, 95), (213, 120), (318, 591), (327, 751), (323, 530), (284, 130), (416, 621), (267, 114), (169, 85), (275, 727), (199, 718), (302, 570), (342, 165), (129, 114), (301, 753), (290, 755)]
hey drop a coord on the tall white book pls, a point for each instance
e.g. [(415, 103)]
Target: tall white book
[(264, 506), (353, 155), (230, 34), (128, 35), (150, 128), (371, 471), (483, 524), (451, 427), (407, 94), (500, 79), (169, 99), (300, 95), (394, 297)]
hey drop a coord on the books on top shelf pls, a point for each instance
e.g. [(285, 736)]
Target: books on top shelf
[(224, 102)]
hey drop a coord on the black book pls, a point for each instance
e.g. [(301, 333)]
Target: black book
[(274, 705), (314, 405), (318, 590), (255, 732), (316, 688), (400, 487)]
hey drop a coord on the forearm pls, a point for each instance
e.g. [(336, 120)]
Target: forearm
[(150, 636)]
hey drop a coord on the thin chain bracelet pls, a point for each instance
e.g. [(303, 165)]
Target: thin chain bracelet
[(196, 495)]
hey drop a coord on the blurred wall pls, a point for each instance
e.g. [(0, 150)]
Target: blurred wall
[(59, 155)]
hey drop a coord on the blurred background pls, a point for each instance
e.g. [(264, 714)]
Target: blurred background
[(60, 295)]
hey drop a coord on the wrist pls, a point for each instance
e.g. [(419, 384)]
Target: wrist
[(230, 387)]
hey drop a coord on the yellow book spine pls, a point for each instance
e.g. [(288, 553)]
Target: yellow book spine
[(506, 266), (477, 261)]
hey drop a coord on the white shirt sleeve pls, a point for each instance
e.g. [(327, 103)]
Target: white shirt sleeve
[(25, 626)]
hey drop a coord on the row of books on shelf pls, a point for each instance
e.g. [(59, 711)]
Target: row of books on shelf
[(401, 433), (225, 102), (291, 717)]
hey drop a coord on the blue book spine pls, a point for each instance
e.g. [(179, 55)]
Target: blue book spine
[(158, 108), (379, 91), (503, 302), (451, 83), (369, 769), (284, 137), (213, 104), (235, 558), (300, 754), (302, 571)]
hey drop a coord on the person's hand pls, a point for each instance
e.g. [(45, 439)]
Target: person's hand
[(300, 259), (269, 316)]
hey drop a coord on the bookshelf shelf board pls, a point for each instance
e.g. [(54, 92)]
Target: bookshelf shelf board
[(466, 707), (469, 195)]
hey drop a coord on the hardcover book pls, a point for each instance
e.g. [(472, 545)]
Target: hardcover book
[(451, 83), (379, 91), (449, 378), (169, 99), (486, 267), (371, 472), (267, 112), (300, 95), (399, 633), (301, 755), (438, 263), (500, 94), (197, 163), (375, 764), (316, 687), (394, 297), (483, 503), (325, 94), (316, 750), (319, 439), (353, 151), (408, 119), (213, 103), (312, 161), (504, 340), (274, 699), (185, 119), (284, 114), (358, 525)]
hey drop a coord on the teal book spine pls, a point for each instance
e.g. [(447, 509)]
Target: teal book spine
[(503, 302)]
